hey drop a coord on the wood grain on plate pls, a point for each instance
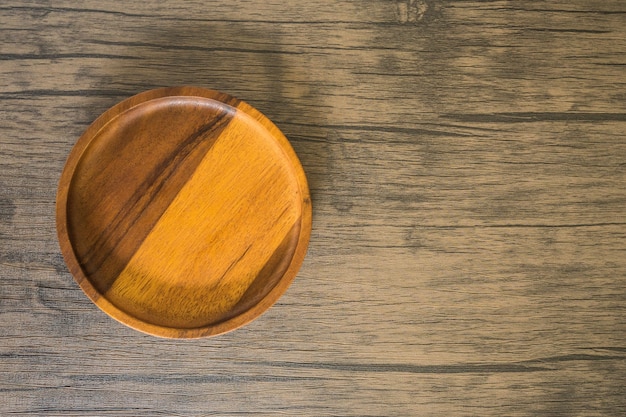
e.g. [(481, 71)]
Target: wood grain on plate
[(183, 212)]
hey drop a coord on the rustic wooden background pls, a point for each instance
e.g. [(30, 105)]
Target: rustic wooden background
[(467, 162)]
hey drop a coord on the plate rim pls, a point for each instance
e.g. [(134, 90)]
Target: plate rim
[(120, 315)]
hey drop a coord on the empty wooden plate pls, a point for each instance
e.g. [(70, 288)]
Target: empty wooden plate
[(183, 212)]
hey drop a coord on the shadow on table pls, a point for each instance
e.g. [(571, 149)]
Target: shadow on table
[(241, 59)]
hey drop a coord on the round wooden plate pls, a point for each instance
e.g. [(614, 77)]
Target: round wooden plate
[(183, 212)]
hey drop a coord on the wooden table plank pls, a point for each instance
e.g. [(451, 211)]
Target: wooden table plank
[(467, 165)]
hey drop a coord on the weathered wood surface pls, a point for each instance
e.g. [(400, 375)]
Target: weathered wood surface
[(467, 164)]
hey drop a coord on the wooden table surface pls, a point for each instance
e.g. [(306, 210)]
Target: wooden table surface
[(467, 164)]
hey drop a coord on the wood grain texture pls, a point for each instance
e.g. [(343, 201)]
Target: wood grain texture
[(466, 161), (183, 212)]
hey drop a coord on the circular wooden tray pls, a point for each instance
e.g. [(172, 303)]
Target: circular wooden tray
[(183, 212)]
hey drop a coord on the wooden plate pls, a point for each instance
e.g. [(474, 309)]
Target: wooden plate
[(183, 212)]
